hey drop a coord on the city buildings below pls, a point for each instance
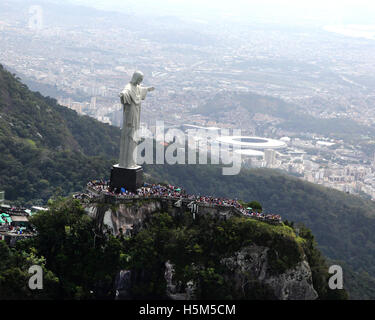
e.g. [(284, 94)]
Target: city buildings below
[(270, 157)]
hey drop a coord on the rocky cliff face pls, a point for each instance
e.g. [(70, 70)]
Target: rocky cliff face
[(294, 284), (251, 264), (130, 214), (126, 216), (174, 291)]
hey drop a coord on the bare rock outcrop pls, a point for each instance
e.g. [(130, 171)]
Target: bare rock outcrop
[(253, 262)]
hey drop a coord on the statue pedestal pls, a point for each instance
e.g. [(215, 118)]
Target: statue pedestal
[(129, 179)]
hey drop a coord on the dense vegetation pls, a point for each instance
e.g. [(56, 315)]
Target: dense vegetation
[(46, 148), (81, 262), (14, 276)]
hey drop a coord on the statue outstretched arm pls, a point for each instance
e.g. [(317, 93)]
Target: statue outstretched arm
[(145, 90)]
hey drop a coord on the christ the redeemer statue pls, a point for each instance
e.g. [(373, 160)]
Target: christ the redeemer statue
[(127, 174), (131, 98)]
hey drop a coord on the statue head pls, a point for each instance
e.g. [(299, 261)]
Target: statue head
[(137, 78)]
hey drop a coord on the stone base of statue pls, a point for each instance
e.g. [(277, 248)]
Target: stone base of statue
[(129, 179)]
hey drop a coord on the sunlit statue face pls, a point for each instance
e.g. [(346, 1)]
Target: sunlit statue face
[(137, 78)]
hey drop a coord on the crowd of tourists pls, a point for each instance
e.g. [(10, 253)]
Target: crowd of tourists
[(169, 191), (16, 211)]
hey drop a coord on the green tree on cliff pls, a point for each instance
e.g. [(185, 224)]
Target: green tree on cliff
[(85, 260)]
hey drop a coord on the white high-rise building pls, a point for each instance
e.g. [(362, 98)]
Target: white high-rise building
[(93, 103), (270, 157)]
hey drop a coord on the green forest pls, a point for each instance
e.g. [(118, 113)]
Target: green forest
[(47, 149), (81, 262)]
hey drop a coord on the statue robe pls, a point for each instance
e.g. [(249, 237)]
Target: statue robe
[(131, 98)]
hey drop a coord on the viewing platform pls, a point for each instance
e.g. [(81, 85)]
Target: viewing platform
[(172, 198)]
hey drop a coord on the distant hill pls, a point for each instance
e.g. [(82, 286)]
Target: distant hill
[(291, 116), (46, 149)]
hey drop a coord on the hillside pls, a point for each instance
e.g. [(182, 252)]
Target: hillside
[(238, 258), (48, 149), (172, 256), (344, 225), (290, 116)]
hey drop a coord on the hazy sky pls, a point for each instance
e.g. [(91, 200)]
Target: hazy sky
[(327, 11)]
